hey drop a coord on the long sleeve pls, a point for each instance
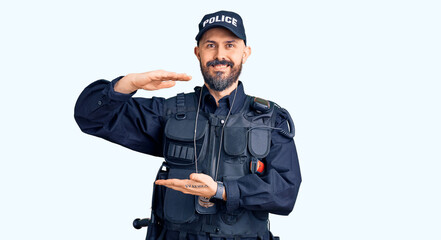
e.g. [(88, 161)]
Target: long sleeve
[(135, 123), (276, 189)]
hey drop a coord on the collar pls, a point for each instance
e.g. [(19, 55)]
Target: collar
[(208, 100)]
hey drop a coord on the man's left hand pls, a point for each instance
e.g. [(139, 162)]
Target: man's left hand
[(199, 184)]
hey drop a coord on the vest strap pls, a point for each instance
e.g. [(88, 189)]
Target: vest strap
[(161, 236), (182, 235), (180, 106), (210, 229)]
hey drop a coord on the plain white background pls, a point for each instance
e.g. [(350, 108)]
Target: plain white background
[(360, 78)]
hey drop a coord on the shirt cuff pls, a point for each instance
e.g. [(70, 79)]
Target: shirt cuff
[(233, 194), (117, 96)]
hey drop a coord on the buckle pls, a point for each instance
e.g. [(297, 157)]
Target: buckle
[(181, 116)]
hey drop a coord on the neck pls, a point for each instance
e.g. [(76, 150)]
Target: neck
[(219, 95)]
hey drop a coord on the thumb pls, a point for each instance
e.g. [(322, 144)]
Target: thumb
[(195, 177), (200, 177)]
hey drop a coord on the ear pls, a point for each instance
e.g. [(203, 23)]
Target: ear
[(246, 54), (196, 52)]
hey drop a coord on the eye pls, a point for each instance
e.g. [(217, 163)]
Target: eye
[(210, 45), (230, 45)]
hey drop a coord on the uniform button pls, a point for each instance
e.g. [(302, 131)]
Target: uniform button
[(222, 121), (100, 102)]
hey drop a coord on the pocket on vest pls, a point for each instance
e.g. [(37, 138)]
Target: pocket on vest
[(259, 141), (235, 141), (179, 137), (179, 207)]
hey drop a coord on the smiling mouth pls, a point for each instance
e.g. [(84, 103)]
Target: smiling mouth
[(220, 67)]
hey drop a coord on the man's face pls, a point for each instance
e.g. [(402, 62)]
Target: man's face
[(221, 55)]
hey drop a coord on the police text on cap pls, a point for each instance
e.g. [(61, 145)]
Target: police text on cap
[(223, 18)]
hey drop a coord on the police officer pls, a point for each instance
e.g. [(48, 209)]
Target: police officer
[(230, 158)]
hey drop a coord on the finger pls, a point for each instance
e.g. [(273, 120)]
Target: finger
[(181, 77), (182, 189), (167, 183), (160, 182), (162, 75), (180, 183), (162, 84), (177, 188)]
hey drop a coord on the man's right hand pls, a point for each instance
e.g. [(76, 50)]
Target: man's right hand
[(153, 80)]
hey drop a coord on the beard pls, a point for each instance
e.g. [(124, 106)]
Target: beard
[(220, 80)]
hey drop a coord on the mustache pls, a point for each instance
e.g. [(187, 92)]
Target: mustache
[(220, 62)]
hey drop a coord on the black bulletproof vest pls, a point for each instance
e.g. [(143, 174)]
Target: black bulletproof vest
[(246, 139)]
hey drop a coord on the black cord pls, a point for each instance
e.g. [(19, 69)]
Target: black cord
[(195, 129)]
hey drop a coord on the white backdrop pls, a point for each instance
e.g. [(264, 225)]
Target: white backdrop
[(360, 78)]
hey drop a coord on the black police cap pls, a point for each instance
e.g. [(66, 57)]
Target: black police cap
[(229, 20)]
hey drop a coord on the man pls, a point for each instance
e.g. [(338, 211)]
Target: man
[(230, 159)]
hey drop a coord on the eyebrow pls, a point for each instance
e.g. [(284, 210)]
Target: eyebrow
[(211, 41)]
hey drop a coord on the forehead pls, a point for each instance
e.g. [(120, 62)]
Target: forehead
[(219, 34)]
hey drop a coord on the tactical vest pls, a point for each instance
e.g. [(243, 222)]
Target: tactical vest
[(246, 139)]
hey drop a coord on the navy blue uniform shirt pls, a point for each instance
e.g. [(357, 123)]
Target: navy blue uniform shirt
[(138, 124)]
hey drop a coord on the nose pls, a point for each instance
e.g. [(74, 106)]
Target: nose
[(221, 54)]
